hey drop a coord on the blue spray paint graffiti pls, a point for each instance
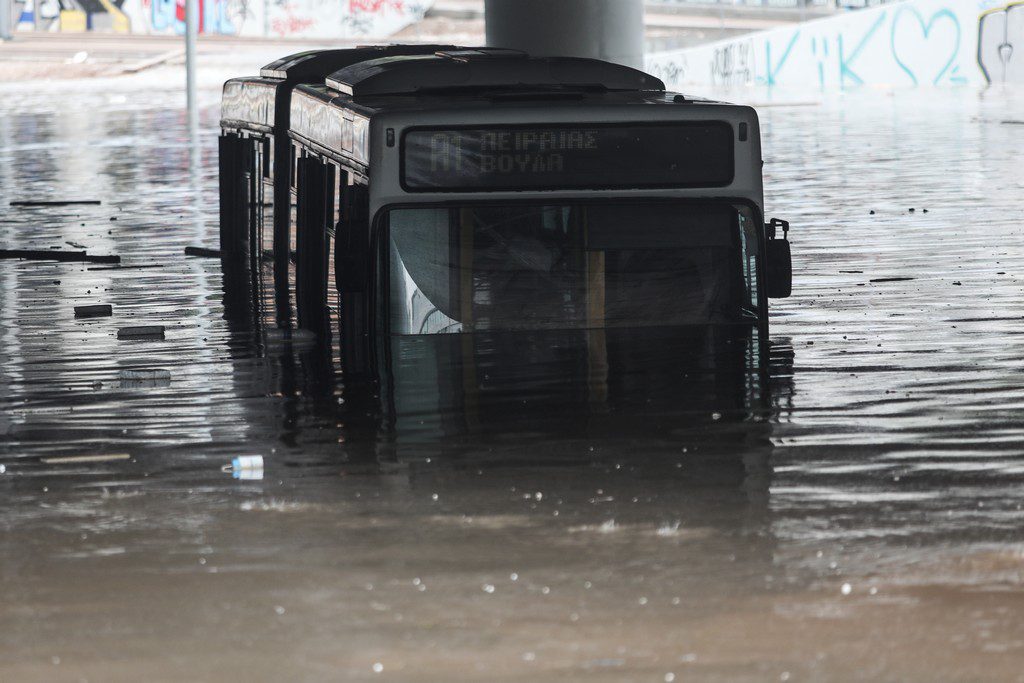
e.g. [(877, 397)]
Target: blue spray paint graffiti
[(845, 63), (821, 57), (774, 72), (926, 29)]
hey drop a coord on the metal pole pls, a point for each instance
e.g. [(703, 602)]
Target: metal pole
[(191, 31), (6, 16)]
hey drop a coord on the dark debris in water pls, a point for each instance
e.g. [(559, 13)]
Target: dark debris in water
[(55, 255), (66, 202), (93, 311), (139, 266), (141, 331), (202, 251)]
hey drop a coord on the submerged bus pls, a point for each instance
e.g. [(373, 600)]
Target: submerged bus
[(483, 190)]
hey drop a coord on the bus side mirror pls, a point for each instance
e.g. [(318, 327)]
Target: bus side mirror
[(778, 261)]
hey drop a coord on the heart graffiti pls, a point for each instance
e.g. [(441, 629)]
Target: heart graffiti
[(941, 17)]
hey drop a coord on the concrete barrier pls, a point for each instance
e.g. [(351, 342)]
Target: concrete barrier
[(909, 43)]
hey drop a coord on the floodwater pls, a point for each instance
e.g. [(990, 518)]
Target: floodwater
[(571, 508)]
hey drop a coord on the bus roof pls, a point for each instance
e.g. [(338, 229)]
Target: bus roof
[(481, 69), (313, 65), (255, 102), (260, 103)]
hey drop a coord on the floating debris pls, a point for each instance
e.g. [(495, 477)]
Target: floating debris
[(202, 251), (142, 331), (55, 255), (74, 459), (93, 311), (245, 467), (65, 202), (145, 374), (247, 462), (141, 266)]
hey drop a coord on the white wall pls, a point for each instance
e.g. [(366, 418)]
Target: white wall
[(909, 43)]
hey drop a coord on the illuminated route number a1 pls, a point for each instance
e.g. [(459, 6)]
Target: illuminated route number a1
[(444, 147)]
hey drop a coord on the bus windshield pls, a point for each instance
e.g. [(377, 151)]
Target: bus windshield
[(570, 266)]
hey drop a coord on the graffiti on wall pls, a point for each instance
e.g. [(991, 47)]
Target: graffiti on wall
[(44, 13), (909, 43), (324, 19), (282, 18), (1001, 44)]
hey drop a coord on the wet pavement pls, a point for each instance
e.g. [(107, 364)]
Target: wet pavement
[(604, 508)]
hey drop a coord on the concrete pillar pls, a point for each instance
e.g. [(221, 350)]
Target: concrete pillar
[(612, 30)]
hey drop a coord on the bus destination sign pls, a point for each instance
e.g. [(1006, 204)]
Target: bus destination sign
[(594, 156)]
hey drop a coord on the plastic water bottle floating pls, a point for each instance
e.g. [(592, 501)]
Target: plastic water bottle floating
[(246, 467)]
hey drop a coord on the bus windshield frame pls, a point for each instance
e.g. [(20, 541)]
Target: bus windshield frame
[(754, 316)]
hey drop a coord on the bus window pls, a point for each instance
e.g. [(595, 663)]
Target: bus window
[(576, 266)]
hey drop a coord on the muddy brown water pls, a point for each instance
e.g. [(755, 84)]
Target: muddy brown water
[(853, 515)]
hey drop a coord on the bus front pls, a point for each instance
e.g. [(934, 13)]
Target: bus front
[(523, 218)]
